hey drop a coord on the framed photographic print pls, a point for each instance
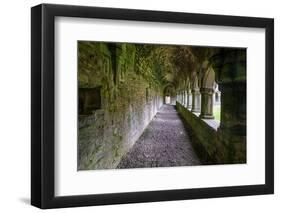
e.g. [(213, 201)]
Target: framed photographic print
[(139, 106)]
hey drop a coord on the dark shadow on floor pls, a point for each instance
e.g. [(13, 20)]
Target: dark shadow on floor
[(204, 157)]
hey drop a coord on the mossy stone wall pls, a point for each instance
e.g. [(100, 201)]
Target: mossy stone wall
[(211, 145), (128, 103)]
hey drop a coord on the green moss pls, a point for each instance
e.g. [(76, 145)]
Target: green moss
[(214, 147), (132, 78)]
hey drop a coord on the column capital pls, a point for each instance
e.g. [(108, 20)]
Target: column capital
[(195, 90), (209, 91)]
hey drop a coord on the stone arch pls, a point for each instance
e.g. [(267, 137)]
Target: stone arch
[(169, 94), (194, 81), (208, 79)]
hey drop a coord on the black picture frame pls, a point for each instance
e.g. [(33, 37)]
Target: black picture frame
[(43, 110)]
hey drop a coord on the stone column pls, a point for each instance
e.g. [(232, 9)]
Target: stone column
[(207, 103), (230, 69), (185, 98), (189, 103), (233, 107), (182, 97), (195, 100)]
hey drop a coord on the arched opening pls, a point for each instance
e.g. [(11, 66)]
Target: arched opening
[(167, 99), (217, 103), (170, 95)]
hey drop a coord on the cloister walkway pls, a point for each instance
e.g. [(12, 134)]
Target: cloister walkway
[(164, 143)]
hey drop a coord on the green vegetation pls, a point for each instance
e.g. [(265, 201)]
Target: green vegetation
[(217, 112), (122, 86)]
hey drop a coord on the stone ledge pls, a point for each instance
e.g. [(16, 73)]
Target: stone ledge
[(203, 135), (210, 122)]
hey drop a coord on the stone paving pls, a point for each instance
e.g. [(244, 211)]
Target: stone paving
[(164, 143)]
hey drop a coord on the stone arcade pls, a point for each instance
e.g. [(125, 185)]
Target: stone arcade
[(123, 86)]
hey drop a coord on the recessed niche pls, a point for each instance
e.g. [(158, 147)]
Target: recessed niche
[(89, 100)]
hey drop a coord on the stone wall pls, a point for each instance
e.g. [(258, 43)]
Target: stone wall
[(212, 146), (127, 103)]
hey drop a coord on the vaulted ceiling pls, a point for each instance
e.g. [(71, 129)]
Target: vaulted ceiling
[(174, 64)]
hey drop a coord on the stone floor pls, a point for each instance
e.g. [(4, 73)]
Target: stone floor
[(164, 143)]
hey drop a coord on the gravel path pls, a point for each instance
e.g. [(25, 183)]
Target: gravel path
[(164, 143)]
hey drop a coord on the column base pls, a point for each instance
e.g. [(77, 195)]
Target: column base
[(195, 110), (206, 116)]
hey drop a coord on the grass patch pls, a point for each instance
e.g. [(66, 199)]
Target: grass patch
[(217, 112)]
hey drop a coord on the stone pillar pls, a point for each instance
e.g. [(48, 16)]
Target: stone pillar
[(230, 69), (182, 97), (189, 103), (233, 108), (207, 103), (185, 98), (195, 100)]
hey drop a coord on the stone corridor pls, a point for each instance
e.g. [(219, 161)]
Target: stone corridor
[(124, 124), (164, 143)]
